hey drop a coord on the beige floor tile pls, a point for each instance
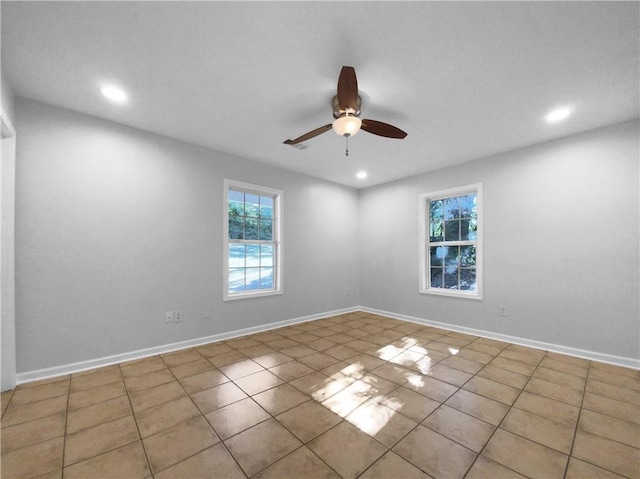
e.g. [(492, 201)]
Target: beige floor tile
[(485, 468), (91, 379), (345, 371), (557, 377), (164, 416), (28, 433), (227, 359), (449, 375), (260, 446), (339, 338), (204, 380), (5, 397), (95, 395), (564, 366), (193, 367), (430, 387), (98, 413), (291, 370), (347, 450), (606, 426), (552, 434), (214, 349), (256, 351), (180, 357), (258, 382), (234, 418), (442, 458), (241, 369), (298, 351), (242, 342), (217, 397), (42, 382), (504, 376), (555, 391), (272, 359), (318, 360), (35, 410), (348, 399), (281, 398), (394, 373), (484, 348), (581, 470), (39, 393), (524, 456), (282, 344), (611, 407), (99, 439), (125, 462), (382, 423), (50, 475), (492, 390), (33, 460), (409, 359), (391, 465), (460, 427), (462, 364), (409, 403), (522, 354), (148, 380), (266, 337), (477, 356), (321, 344), (305, 464), (142, 366), (318, 386), (616, 370), (622, 380), (304, 338), (610, 455), (365, 362), (478, 406), (308, 420), (341, 352), (179, 442), (513, 365), (141, 400), (584, 363), (613, 392), (201, 465), (548, 408)]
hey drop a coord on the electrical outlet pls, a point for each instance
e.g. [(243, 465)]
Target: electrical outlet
[(168, 317), (502, 311), (177, 316)]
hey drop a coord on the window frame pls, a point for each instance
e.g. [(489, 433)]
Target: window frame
[(425, 241), (276, 239)]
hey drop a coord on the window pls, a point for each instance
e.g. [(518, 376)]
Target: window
[(253, 246), (451, 242)]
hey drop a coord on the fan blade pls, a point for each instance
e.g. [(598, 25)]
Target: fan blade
[(382, 129), (348, 89), (308, 136)]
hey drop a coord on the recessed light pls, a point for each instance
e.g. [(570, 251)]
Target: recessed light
[(361, 175), (558, 115), (114, 94)]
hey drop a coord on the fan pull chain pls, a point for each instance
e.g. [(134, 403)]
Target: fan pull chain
[(346, 153)]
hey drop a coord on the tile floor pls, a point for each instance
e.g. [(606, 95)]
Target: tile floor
[(356, 395)]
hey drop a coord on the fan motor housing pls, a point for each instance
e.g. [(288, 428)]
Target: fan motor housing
[(338, 112)]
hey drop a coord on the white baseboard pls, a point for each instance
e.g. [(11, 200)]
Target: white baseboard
[(46, 373), (556, 348), (55, 371)]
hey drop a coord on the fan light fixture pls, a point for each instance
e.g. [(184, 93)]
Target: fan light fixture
[(347, 125), (114, 94)]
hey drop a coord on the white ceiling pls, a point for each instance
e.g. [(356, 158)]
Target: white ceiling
[(464, 79)]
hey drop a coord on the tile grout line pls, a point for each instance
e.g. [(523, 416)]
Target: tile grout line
[(575, 431), (504, 417), (135, 419)]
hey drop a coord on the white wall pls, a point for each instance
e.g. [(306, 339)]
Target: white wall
[(115, 226), (560, 240)]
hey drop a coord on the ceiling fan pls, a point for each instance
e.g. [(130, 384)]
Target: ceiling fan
[(346, 111)]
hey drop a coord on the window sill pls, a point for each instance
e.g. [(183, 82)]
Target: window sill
[(452, 294), (260, 294)]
